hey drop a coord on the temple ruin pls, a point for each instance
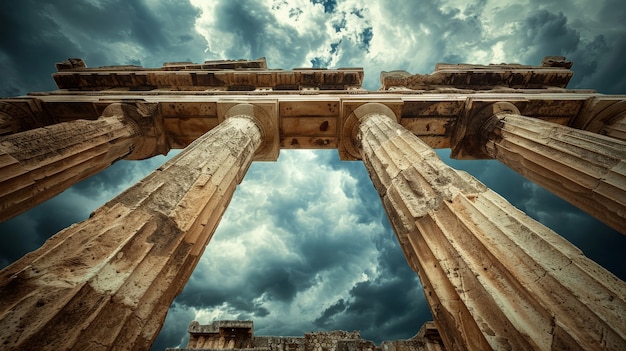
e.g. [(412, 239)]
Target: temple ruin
[(493, 277), (239, 335)]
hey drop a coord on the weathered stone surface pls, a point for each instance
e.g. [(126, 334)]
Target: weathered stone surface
[(258, 64), (106, 283), (605, 116), (221, 75), (616, 128), (38, 164), (426, 339), (494, 278), (302, 118), (266, 118), (232, 334), (17, 115), (552, 73), (222, 335), (584, 168)]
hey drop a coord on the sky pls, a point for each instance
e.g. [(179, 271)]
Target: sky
[(305, 244)]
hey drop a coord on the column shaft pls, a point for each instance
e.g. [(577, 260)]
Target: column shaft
[(107, 283), (584, 168), (38, 164), (494, 278), (15, 118), (603, 115), (616, 128)]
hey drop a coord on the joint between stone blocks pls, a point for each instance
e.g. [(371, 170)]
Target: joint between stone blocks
[(467, 140), (146, 120)]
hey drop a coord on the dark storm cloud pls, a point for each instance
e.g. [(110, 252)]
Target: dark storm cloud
[(603, 72), (177, 319), (596, 57), (258, 33), (121, 172), (322, 321), (315, 246), (37, 34), (382, 309), (388, 306), (539, 33), (368, 204), (29, 36), (250, 23), (162, 30), (30, 230)]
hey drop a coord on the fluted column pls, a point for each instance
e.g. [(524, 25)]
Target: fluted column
[(38, 164), (605, 115), (585, 168), (494, 278), (616, 128), (17, 116), (107, 283)]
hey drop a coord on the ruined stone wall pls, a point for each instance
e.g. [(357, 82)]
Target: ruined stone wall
[(427, 339), (221, 335), (204, 337), (328, 341), (279, 343), (317, 341)]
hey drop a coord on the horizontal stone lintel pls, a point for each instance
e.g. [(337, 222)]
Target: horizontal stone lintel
[(480, 79), (232, 80), (316, 121)]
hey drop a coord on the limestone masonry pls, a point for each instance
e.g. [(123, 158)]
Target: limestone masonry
[(239, 335), (493, 277)]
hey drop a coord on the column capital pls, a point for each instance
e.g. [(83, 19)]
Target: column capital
[(466, 137), (145, 119), (350, 147), (265, 116), (21, 114), (605, 116)]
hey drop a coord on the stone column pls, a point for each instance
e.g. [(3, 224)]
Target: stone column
[(38, 164), (494, 278), (604, 115), (16, 115), (107, 283), (616, 128), (585, 168)]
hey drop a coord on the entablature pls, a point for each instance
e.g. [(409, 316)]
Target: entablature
[(223, 75), (554, 72), (309, 108), (316, 121)]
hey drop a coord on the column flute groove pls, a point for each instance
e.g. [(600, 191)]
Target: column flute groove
[(107, 282), (39, 164), (584, 168), (494, 277)]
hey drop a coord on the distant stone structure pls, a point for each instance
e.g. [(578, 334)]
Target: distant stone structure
[(221, 335), (494, 278), (239, 335)]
